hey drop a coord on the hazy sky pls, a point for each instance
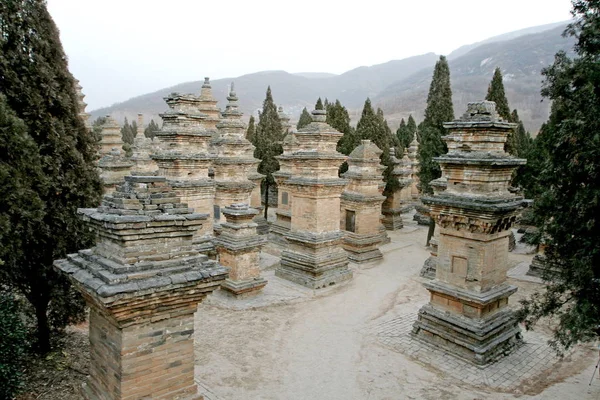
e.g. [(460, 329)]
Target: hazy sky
[(123, 48)]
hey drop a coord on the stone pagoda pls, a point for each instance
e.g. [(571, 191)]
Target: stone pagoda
[(183, 157), (281, 226), (468, 312), (142, 281), (400, 201), (142, 149), (207, 105), (238, 245), (113, 164), (234, 159), (285, 121), (85, 117), (314, 256), (361, 204), (413, 148)]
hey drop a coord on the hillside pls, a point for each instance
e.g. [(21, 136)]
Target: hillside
[(292, 91), (399, 86), (521, 61)]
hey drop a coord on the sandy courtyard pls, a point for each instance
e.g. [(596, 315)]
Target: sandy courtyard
[(294, 343)]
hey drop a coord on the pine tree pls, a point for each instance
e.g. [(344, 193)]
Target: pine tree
[(151, 129), (267, 140), (496, 94), (251, 131), (41, 92), (567, 210), (304, 120), (439, 110)]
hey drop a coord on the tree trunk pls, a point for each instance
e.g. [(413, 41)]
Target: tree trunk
[(431, 231), (43, 326), (266, 197)]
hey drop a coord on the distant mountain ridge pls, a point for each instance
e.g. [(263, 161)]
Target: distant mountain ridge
[(399, 86), (520, 60)]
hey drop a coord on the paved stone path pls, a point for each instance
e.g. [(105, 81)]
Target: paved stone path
[(528, 361)]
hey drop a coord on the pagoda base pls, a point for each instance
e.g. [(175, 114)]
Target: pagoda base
[(537, 266), (262, 225), (478, 328), (363, 248), (429, 268), (392, 219), (314, 260), (244, 288)]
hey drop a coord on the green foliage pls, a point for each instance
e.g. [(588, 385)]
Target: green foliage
[(373, 126), (13, 345), (496, 94), (319, 105), (128, 132), (55, 165), (267, 140), (151, 129), (406, 133), (305, 119), (439, 110), (566, 211), (251, 131)]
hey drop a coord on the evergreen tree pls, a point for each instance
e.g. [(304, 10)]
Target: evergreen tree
[(339, 119), (319, 105), (267, 140), (304, 120), (373, 126), (404, 135), (127, 133), (251, 131), (39, 89), (151, 129), (439, 110), (411, 126), (496, 94), (567, 210)]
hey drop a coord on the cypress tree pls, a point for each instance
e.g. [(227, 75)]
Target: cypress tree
[(151, 129), (267, 140), (566, 211), (319, 105), (38, 87), (496, 94), (411, 126), (439, 110), (373, 126), (404, 135), (127, 134), (251, 131), (304, 120)]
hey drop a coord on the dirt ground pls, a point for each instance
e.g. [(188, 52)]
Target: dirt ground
[(303, 344)]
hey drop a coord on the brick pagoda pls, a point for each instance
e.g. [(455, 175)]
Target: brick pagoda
[(314, 256), (183, 157), (238, 245), (361, 204), (113, 164), (143, 281), (468, 312)]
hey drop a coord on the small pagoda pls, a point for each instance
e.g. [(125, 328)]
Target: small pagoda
[(361, 204), (143, 282), (113, 163)]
